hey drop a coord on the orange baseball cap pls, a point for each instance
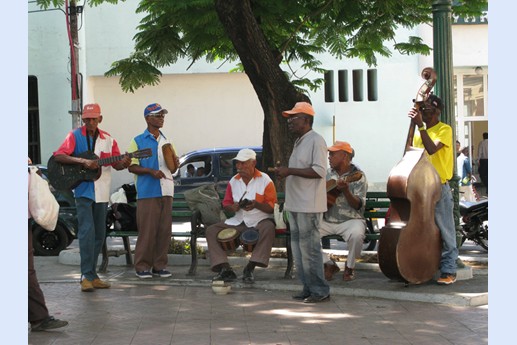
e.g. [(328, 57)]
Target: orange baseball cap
[(300, 107), (341, 146), (91, 111)]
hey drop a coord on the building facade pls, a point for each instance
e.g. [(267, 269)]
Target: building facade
[(210, 107)]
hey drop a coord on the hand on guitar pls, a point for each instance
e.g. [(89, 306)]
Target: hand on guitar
[(342, 185), (89, 164), (124, 163)]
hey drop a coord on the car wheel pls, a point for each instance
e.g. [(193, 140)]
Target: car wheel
[(49, 243)]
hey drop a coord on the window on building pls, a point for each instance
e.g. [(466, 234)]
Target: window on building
[(371, 76), (357, 85), (34, 133), (343, 85), (357, 82), (329, 86), (473, 95)]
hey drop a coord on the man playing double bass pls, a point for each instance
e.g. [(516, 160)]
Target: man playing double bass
[(346, 202), (436, 138)]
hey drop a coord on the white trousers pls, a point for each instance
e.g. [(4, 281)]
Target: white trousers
[(352, 231)]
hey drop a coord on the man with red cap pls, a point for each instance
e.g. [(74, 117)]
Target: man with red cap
[(91, 197), (305, 201), (346, 201)]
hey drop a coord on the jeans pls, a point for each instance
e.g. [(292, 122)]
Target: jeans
[(306, 246), (445, 221), (91, 217)]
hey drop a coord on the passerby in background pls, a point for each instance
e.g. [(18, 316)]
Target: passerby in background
[(465, 174), (39, 317), (483, 160)]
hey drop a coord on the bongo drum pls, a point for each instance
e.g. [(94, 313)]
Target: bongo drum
[(249, 239), (228, 238)]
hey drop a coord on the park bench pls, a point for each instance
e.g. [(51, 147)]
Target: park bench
[(376, 207)]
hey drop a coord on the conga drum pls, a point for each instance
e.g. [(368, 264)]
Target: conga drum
[(249, 239), (229, 239)]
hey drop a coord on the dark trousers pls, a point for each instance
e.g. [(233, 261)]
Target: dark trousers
[(483, 172), (37, 308)]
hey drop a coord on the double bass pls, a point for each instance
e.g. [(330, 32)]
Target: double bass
[(410, 242)]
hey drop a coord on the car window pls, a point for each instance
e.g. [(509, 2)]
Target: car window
[(227, 164), (198, 166)]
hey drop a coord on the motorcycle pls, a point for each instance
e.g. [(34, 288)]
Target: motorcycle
[(474, 222)]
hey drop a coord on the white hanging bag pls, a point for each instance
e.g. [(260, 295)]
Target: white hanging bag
[(42, 204)]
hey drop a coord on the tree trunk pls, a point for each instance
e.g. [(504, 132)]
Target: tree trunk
[(273, 88)]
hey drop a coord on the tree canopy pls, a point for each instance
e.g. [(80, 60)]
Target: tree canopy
[(266, 39)]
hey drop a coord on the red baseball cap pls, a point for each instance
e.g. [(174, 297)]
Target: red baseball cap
[(91, 111)]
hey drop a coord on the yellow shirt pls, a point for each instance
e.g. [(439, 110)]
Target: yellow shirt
[(443, 159)]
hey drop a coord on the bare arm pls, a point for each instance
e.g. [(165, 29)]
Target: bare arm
[(138, 170), (305, 172), (87, 163), (430, 146)]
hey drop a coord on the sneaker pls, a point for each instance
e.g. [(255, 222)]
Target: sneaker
[(86, 285), (48, 323), (226, 274), (446, 279), (100, 284), (162, 273), (144, 274), (316, 299), (349, 274), (330, 269)]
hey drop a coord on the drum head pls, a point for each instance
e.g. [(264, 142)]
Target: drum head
[(227, 234), (250, 236)]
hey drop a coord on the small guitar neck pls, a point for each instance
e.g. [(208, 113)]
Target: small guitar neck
[(110, 160)]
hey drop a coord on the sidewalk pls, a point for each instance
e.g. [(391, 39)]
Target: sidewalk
[(184, 310)]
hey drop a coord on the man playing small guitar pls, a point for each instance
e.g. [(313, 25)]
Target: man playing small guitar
[(346, 199), (91, 197)]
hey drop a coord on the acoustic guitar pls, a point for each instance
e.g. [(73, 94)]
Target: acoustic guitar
[(333, 192), (69, 176)]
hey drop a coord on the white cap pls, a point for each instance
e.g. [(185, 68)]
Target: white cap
[(246, 154)]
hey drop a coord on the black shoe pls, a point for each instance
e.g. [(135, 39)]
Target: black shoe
[(247, 276), (226, 274), (49, 323), (314, 299), (301, 296)]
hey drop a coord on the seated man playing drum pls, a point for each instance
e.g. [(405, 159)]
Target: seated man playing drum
[(251, 195)]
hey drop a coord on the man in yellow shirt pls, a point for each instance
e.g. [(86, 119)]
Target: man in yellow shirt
[(436, 138)]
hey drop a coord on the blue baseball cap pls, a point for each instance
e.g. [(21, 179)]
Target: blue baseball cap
[(154, 108)]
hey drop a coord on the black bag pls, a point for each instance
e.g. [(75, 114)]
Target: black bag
[(124, 217), (130, 190)]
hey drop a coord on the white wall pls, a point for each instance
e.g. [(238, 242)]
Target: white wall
[(205, 110), (48, 61)]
